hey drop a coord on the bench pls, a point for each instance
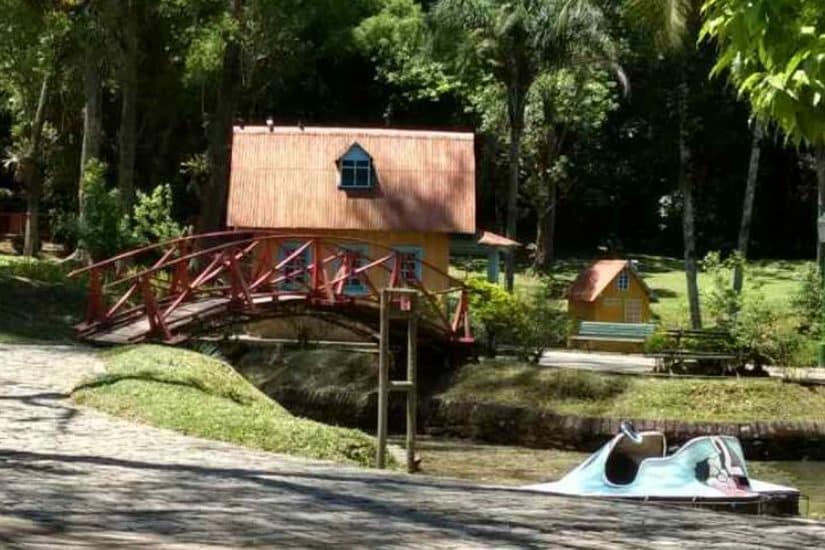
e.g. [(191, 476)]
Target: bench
[(623, 333), (712, 352)]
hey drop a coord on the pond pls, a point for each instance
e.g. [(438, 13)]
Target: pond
[(505, 465)]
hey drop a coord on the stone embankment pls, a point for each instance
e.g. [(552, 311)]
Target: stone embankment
[(514, 425)]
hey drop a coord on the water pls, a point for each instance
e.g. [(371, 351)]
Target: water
[(520, 465), (808, 477)]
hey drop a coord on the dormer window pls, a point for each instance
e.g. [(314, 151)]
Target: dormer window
[(356, 169)]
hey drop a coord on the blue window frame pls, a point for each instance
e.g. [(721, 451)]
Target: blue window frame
[(623, 282), (411, 267), (353, 285), (299, 262), (356, 169)]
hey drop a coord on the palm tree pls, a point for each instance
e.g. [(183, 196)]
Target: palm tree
[(675, 25), (514, 42)]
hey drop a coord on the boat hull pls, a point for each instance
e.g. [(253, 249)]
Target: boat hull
[(774, 500)]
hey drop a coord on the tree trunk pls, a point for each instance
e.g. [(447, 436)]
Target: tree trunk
[(92, 116), (747, 207), (686, 185), (128, 115), (33, 180), (219, 135), (516, 115), (820, 187), (546, 232)]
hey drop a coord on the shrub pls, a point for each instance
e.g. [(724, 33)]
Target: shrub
[(759, 335), (103, 229), (722, 302), (152, 217), (64, 227), (495, 314), (807, 302), (531, 325), (543, 325)]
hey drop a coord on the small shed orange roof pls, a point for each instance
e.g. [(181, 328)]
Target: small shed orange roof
[(287, 177), (592, 281), (488, 238)]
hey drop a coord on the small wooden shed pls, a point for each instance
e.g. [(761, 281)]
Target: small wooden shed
[(610, 291)]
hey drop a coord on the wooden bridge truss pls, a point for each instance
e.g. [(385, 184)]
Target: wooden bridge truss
[(173, 290)]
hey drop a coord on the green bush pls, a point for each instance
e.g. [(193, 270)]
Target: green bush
[(543, 325), (760, 336), (722, 302), (657, 342), (530, 324), (496, 314), (103, 229), (807, 302), (152, 217)]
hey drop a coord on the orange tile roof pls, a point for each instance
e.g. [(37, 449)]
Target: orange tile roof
[(592, 281), (288, 178)]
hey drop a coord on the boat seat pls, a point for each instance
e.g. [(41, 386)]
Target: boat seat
[(622, 464)]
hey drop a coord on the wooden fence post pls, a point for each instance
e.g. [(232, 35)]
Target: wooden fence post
[(412, 379), (409, 298), (383, 377)]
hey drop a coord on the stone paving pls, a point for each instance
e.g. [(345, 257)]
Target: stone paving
[(71, 477)]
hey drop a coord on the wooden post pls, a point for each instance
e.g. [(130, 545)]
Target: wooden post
[(412, 379), (410, 385), (383, 377)]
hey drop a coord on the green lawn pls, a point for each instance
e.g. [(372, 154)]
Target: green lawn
[(191, 393), (37, 302), (778, 280), (590, 394)]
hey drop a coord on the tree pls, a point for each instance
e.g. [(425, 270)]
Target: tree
[(29, 56), (129, 19), (564, 107), (675, 26), (774, 52), (513, 43), (747, 208)]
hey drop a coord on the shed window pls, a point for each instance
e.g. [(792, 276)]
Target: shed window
[(356, 169), (623, 282)]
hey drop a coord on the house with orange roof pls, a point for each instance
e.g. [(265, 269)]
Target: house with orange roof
[(610, 291), (402, 190)]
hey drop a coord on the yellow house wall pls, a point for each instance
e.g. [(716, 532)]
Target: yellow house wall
[(435, 248), (580, 311), (610, 305)]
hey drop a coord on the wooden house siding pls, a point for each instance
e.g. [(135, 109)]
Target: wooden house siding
[(610, 304), (288, 177), (435, 249)]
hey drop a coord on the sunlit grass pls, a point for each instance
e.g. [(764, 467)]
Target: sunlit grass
[(777, 280), (592, 394), (204, 397)]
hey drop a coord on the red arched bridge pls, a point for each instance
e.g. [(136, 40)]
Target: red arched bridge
[(196, 284)]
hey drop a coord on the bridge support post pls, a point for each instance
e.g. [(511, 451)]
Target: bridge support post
[(409, 300)]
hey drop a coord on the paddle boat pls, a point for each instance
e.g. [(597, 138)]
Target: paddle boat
[(706, 471)]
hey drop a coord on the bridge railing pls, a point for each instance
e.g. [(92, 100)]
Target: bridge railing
[(254, 272)]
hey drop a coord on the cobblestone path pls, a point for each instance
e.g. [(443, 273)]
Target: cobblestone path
[(72, 477)]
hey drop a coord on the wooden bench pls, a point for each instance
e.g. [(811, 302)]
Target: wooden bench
[(622, 333), (712, 353)]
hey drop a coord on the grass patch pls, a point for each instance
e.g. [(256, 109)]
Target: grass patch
[(591, 394), (37, 302), (778, 280), (197, 395)]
